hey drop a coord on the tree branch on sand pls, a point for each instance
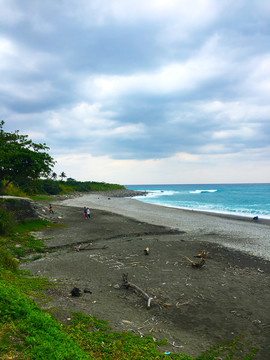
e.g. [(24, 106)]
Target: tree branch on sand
[(197, 265), (128, 285)]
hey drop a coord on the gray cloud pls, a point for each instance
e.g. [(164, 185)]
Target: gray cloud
[(137, 80)]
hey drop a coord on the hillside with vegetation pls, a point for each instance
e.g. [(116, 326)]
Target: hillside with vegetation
[(59, 187)]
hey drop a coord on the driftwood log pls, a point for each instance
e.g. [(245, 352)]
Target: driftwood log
[(128, 285), (197, 265)]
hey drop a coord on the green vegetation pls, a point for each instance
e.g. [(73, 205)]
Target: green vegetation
[(6, 222), (21, 160), (41, 198), (27, 332), (26, 169), (55, 187)]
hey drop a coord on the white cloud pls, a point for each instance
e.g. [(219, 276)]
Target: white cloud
[(257, 82), (182, 76), (157, 75), (90, 121), (177, 169), (16, 57), (236, 110), (10, 13), (240, 134), (33, 91), (103, 12)]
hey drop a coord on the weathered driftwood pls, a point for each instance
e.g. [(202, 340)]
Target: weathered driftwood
[(129, 285), (197, 265), (202, 255)]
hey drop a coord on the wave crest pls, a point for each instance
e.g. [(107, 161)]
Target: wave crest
[(203, 191)]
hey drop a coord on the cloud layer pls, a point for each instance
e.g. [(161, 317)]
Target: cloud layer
[(152, 91)]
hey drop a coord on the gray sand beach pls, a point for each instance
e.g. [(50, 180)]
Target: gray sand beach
[(234, 232), (193, 308)]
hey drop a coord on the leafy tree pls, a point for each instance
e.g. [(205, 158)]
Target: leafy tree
[(62, 175), (54, 175), (21, 160)]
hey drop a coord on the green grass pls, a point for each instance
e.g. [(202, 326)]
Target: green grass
[(42, 337), (41, 198), (31, 225), (27, 332)]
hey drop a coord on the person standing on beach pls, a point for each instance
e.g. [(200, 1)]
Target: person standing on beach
[(51, 209), (88, 213), (84, 211)]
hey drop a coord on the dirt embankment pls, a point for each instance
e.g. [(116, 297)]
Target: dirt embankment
[(193, 308)]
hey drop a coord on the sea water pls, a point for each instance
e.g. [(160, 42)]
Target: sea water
[(235, 199)]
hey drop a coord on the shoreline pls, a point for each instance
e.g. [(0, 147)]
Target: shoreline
[(261, 220), (232, 231)]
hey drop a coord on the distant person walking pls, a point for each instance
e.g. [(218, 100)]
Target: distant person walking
[(85, 212), (88, 213), (51, 209)]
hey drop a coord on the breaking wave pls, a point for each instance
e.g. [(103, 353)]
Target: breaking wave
[(202, 191)]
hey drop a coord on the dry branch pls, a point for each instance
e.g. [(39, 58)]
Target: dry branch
[(197, 265), (202, 255), (129, 285)]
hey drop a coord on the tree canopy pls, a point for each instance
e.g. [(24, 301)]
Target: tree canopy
[(21, 160)]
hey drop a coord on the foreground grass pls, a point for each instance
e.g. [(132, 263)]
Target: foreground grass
[(27, 332)]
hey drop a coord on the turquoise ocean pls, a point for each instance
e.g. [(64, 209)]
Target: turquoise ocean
[(234, 199)]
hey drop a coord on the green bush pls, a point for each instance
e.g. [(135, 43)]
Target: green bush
[(6, 222), (48, 186), (7, 261)]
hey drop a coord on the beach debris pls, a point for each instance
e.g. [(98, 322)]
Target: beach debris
[(146, 251), (128, 285), (173, 344), (164, 304), (182, 304), (202, 255), (87, 291), (75, 292), (197, 265)]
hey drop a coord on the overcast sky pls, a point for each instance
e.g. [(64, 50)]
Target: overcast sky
[(141, 91)]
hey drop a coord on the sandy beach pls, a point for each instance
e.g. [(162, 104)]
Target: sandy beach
[(239, 233), (193, 308)]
